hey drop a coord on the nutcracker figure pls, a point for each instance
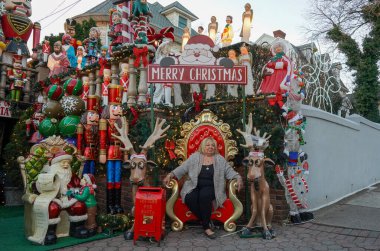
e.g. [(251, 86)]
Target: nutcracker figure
[(109, 150), (106, 82), (103, 60), (69, 27), (46, 50), (86, 89), (17, 77), (17, 26), (124, 81), (87, 134)]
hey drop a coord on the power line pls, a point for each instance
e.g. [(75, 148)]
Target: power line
[(69, 6), (73, 5), (59, 5)]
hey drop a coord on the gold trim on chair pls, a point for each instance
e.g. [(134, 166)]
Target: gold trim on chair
[(206, 117), (177, 224), (229, 225)]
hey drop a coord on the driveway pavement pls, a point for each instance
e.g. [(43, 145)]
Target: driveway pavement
[(351, 224)]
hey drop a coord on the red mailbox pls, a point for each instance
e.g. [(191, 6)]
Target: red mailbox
[(150, 213)]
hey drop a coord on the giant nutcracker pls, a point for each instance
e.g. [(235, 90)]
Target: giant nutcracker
[(87, 134), (17, 26), (17, 78), (110, 151)]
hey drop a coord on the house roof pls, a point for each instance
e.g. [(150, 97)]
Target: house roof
[(179, 6), (158, 21), (101, 8)]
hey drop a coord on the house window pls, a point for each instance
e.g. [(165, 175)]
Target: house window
[(182, 22)]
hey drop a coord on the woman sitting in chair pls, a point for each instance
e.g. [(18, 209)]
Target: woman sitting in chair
[(207, 171)]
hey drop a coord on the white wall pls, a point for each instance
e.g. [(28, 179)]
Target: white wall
[(344, 155)]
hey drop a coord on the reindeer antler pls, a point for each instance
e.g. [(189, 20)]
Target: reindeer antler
[(158, 133), (123, 137), (257, 133), (247, 133)]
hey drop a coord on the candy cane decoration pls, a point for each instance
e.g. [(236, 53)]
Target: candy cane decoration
[(125, 9)]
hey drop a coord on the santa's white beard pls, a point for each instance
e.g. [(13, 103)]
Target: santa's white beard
[(64, 176), (191, 59)]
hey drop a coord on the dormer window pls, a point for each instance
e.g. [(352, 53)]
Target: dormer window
[(182, 22)]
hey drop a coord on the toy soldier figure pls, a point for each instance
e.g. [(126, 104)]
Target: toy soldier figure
[(87, 134), (109, 150), (17, 78), (124, 81)]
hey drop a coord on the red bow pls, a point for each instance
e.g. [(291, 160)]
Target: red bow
[(141, 53), (197, 100), (135, 116), (166, 32), (170, 146), (55, 80)]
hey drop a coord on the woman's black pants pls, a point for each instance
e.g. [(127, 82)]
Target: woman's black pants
[(199, 202)]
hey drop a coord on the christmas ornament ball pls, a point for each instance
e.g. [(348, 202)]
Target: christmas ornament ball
[(55, 92), (53, 109), (68, 125), (73, 105), (73, 86), (48, 127)]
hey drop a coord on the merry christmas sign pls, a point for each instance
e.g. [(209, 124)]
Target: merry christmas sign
[(197, 64), (4, 109)]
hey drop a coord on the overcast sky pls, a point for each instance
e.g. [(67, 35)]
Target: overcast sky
[(269, 15)]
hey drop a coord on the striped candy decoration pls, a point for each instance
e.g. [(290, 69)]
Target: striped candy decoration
[(55, 92), (305, 184), (73, 86), (293, 194), (125, 9)]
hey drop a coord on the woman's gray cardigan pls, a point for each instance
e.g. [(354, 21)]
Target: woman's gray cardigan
[(192, 167)]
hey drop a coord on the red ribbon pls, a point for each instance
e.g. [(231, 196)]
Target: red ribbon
[(135, 116), (197, 100), (141, 53), (166, 32), (170, 146)]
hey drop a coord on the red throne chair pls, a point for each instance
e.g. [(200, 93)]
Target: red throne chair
[(206, 124)]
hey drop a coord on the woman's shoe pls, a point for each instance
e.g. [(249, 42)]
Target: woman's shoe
[(210, 236)]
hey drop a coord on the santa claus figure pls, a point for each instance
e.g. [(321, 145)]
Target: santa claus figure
[(199, 51), (56, 186), (163, 92)]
